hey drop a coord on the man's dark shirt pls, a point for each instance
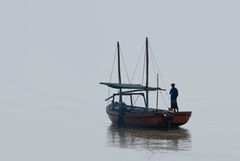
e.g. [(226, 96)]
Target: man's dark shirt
[(174, 93)]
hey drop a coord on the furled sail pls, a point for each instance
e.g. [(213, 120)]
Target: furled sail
[(129, 86)]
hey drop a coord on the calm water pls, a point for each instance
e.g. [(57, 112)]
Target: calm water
[(66, 133)]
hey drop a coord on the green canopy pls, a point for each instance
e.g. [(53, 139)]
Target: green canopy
[(129, 86)]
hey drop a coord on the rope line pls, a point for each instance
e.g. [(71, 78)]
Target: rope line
[(153, 62), (114, 59), (164, 100), (161, 77), (135, 70), (124, 64)]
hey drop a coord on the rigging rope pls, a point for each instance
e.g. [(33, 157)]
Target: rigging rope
[(135, 70), (142, 77), (124, 64), (164, 100), (114, 59), (155, 60), (125, 68), (138, 62), (155, 64), (113, 65), (154, 68)]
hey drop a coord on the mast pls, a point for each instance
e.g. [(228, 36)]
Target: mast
[(157, 90), (119, 72), (121, 120), (147, 64)]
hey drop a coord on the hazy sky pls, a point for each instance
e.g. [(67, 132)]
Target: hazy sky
[(66, 47), (53, 53)]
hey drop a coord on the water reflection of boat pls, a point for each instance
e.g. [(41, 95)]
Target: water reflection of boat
[(149, 139)]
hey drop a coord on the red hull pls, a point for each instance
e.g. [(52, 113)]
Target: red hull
[(151, 118)]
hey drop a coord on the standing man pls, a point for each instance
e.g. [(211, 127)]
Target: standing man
[(174, 94)]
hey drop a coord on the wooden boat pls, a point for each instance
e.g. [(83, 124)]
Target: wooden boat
[(123, 114)]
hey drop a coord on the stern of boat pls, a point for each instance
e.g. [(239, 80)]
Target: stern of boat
[(181, 118)]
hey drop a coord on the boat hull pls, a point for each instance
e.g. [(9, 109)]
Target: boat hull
[(151, 118)]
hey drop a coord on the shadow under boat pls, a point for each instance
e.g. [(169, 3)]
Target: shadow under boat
[(149, 139)]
